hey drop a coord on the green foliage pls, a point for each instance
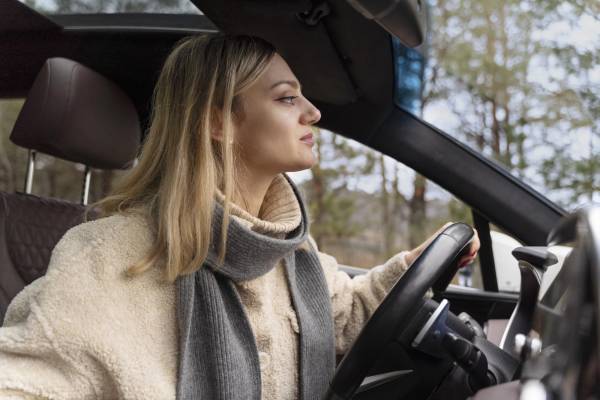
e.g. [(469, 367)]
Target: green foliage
[(579, 177)]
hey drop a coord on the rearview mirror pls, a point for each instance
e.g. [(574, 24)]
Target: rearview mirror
[(405, 19)]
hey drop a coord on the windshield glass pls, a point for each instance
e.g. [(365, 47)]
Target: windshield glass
[(112, 6), (518, 81)]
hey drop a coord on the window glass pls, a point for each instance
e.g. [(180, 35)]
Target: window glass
[(507, 267), (53, 177), (13, 159), (520, 83), (508, 274), (366, 207)]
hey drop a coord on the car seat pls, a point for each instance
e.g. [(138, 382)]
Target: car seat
[(73, 113)]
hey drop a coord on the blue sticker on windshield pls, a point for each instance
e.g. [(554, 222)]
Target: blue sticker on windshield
[(409, 67)]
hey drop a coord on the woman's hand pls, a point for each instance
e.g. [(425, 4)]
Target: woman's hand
[(465, 260)]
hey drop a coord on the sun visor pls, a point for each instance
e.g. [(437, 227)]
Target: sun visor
[(405, 19), (295, 28)]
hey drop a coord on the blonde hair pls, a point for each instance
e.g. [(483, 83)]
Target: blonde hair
[(181, 166)]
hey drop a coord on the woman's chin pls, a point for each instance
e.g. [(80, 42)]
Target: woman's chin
[(301, 166)]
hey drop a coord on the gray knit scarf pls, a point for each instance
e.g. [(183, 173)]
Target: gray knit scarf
[(218, 357)]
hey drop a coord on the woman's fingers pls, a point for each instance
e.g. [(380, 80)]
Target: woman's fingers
[(465, 260), (474, 248)]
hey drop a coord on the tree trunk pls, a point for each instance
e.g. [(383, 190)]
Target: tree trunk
[(417, 211), (386, 221)]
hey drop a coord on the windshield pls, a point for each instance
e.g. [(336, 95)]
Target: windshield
[(518, 82)]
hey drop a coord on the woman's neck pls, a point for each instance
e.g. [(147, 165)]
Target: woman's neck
[(251, 192)]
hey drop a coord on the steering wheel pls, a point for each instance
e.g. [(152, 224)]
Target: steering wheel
[(435, 267)]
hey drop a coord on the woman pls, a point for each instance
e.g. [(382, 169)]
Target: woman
[(201, 281)]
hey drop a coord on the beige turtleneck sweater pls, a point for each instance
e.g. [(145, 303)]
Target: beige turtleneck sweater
[(84, 331)]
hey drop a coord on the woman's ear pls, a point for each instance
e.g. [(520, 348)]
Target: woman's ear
[(216, 124)]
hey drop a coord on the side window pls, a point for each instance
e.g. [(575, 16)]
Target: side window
[(13, 160), (53, 177), (365, 207), (507, 267)]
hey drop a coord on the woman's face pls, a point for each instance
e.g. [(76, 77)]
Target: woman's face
[(274, 133)]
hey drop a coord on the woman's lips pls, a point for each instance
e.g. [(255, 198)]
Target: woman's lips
[(308, 139)]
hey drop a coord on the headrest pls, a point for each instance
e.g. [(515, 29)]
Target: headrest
[(78, 115)]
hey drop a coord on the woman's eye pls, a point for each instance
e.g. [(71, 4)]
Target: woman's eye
[(288, 99)]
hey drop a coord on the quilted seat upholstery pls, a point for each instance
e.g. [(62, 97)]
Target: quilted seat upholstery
[(34, 226), (30, 227)]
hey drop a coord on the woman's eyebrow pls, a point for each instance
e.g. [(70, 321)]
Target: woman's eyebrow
[(295, 84)]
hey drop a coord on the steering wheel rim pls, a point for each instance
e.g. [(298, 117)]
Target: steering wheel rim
[(437, 261)]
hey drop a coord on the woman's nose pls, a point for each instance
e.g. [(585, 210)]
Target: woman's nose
[(312, 114)]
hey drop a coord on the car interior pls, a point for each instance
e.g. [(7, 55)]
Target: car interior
[(75, 114), (88, 78)]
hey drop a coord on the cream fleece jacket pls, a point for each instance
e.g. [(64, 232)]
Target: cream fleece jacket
[(85, 331)]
